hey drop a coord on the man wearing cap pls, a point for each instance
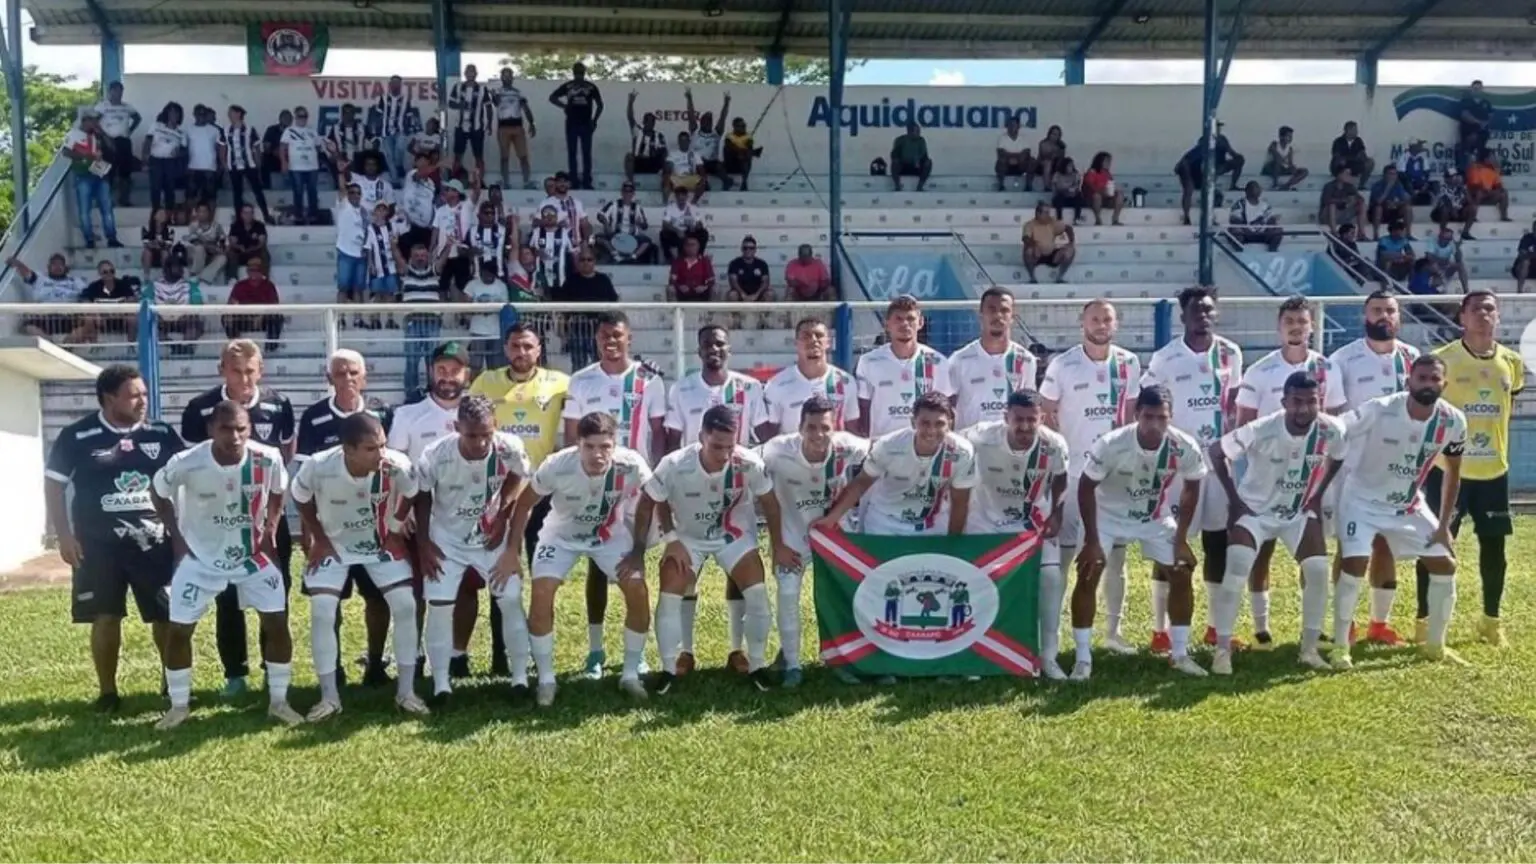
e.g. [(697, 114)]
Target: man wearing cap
[(87, 147), (1413, 171), (451, 227), (119, 121), (1280, 163)]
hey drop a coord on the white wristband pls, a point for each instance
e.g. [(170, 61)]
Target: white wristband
[(669, 537)]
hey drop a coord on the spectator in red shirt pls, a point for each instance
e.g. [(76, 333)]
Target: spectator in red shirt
[(807, 278), (1100, 190), (255, 290), (692, 278)]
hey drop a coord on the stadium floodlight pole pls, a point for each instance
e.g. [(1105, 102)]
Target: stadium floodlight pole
[(837, 37), (1208, 102)]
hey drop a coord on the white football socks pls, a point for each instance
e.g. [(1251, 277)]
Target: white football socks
[(1442, 602), (514, 631), (1053, 592), (544, 656), (595, 638), (735, 621), (323, 645), (1227, 600), (789, 615), (1082, 639), (1259, 600), (1381, 604), (689, 611), (634, 652), (1114, 589), (440, 645), (279, 676), (1314, 600), (178, 684), (756, 622), (1160, 607), (1346, 593), (669, 629), (1178, 638)]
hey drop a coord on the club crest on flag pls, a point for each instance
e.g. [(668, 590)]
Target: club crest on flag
[(925, 606)]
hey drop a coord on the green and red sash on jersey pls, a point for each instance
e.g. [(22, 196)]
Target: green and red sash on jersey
[(294, 48), (1037, 460), (1119, 372), (734, 394), (1400, 365), (940, 470), (1015, 361), (836, 385), (381, 492), (1312, 450), (928, 606), (613, 494), (923, 372), (253, 484), (496, 470), (1163, 475), (1435, 430), (632, 417), (1219, 358), (735, 484), (834, 471), (1317, 367)]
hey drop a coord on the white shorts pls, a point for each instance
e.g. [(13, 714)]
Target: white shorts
[(1071, 533), (726, 553), (556, 560), (1211, 509), (1266, 528), (1156, 538), (1407, 535), (332, 576), (456, 561), (196, 585)]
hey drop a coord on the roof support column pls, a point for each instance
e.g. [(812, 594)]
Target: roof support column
[(445, 44), (16, 89), (111, 61), (837, 33), (1218, 60), (773, 68), (1077, 69)]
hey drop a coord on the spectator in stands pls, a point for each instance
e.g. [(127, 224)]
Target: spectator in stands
[(1048, 156), (806, 278), (909, 157), (681, 221), (205, 153), (1067, 189), (1443, 253), (514, 126), (342, 143), (685, 169), (86, 146), (255, 290), (1190, 168), (419, 284), (1390, 202), (163, 153), (1348, 151), (1252, 220), (520, 272), (242, 160), (1099, 188), (418, 198), (171, 290), (692, 277), (707, 132), (622, 239), (1049, 241), (1472, 123), (272, 148), (1340, 195), (301, 162), (1524, 254), (572, 212), (375, 187), (1413, 171), (586, 285), (1394, 252), (749, 280), (351, 234), (1280, 162), (554, 246), (451, 226), (428, 141), (382, 251), (159, 241), (1485, 185), (394, 110), (1346, 251), (647, 146), (474, 111), (1422, 282), (1014, 158), (485, 327), (110, 290), (55, 286), (1453, 203), (119, 121), (740, 151), (204, 240), (582, 103), (489, 238)]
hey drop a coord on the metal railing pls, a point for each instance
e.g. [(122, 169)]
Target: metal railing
[(1355, 264), (25, 222)]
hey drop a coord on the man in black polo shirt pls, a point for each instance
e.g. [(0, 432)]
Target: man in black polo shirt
[(110, 534), (272, 424), (749, 279)]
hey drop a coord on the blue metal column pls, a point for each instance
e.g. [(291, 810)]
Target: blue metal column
[(445, 45), (1209, 100), (1076, 71), (837, 29), (773, 68), (111, 61), (17, 90)]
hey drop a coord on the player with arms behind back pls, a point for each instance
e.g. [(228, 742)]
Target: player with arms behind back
[(894, 375), (808, 376), (985, 371)]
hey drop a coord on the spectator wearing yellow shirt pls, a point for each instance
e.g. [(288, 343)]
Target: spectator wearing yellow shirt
[(1482, 378), (739, 152)]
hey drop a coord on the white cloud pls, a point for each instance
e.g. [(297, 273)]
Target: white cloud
[(947, 78)]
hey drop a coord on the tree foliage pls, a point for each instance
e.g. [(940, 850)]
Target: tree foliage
[(52, 104), (646, 67)]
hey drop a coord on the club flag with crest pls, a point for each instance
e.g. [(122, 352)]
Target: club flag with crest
[(286, 48), (928, 606)]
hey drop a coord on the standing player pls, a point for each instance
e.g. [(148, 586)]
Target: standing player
[(1393, 443), (702, 497), (1124, 498), (636, 396), (809, 468), (1288, 456), (1088, 391), (1202, 371), (983, 373), (810, 375), (230, 490), (109, 533), (467, 482), (272, 423), (591, 490), (1259, 395), (353, 500), (1482, 378), (1021, 472), (892, 376)]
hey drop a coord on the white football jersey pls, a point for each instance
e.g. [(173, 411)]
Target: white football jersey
[(356, 513), (417, 425), (787, 391), (1282, 470), (222, 509), (911, 492), (634, 398), (466, 495), (692, 396), (891, 385), (588, 511), (709, 508), (1091, 396), (981, 382), (1013, 488), (1365, 374), (1139, 485), (1390, 454), (1264, 383), (1204, 385), (805, 491)]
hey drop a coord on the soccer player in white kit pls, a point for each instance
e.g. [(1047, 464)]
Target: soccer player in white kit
[(353, 499), (1202, 371), (1131, 480), (892, 376), (1375, 365), (809, 468), (466, 485), (984, 372), (594, 487), (1393, 442), (809, 375), (1088, 391), (1292, 456), (1259, 395), (702, 497), (1021, 478), (231, 492)]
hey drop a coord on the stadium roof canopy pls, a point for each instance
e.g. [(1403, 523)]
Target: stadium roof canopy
[(1342, 29)]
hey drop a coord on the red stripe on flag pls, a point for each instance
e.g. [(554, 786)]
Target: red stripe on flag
[(1013, 645), (852, 636), (1002, 660), (825, 541), (1008, 555), (853, 656)]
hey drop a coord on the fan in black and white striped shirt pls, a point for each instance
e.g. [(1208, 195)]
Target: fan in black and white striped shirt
[(395, 114), (489, 238), (345, 140), (625, 217), (476, 107), (242, 159)]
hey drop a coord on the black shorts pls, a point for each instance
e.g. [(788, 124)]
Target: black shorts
[(475, 141), (694, 297), (109, 570), (1486, 501), (509, 123), (652, 164)]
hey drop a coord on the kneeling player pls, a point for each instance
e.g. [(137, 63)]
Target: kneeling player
[(1292, 456), (1123, 497), (808, 468), (353, 499), (702, 496), (592, 488), (466, 484), (1393, 443), (1021, 471), (231, 489)]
